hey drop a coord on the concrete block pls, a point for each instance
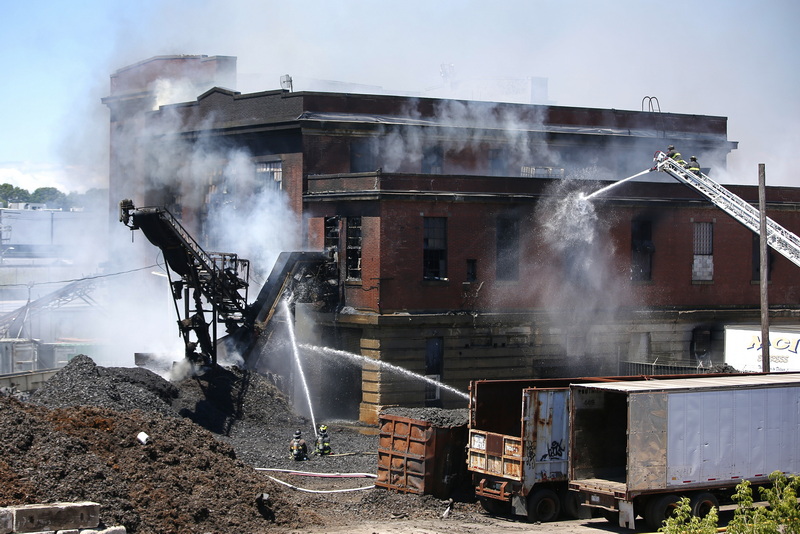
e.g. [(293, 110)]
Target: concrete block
[(6, 521), (55, 516)]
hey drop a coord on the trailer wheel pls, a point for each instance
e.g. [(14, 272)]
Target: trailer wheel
[(702, 503), (543, 506), (495, 507), (659, 509), (571, 504)]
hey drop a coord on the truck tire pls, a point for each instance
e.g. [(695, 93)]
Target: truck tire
[(570, 504), (495, 507), (543, 506), (702, 503), (659, 509)]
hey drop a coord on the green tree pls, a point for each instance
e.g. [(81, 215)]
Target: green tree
[(782, 515), (49, 195)]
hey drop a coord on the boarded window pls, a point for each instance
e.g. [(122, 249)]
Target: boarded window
[(434, 259), (756, 272)]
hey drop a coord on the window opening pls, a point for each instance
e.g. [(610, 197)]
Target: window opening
[(433, 160), (703, 264), (434, 258), (353, 248), (507, 260), (434, 367), (269, 175), (642, 249)]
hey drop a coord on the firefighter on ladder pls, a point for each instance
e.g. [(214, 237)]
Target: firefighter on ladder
[(675, 155), (694, 165)]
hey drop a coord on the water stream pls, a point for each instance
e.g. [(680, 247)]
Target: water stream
[(357, 358), (296, 353), (615, 184)]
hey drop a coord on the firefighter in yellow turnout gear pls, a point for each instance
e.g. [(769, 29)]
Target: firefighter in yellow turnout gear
[(323, 446)]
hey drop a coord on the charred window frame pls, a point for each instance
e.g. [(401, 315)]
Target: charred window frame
[(269, 175), (353, 243), (433, 160), (507, 251), (331, 238), (363, 154), (703, 248), (434, 248), (756, 261), (642, 249)]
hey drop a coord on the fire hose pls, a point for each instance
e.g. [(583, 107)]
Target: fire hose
[(322, 475)]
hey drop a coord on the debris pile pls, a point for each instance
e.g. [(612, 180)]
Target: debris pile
[(76, 440)]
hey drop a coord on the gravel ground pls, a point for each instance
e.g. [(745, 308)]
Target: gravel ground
[(217, 441)]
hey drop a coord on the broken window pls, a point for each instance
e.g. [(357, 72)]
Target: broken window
[(433, 160), (507, 260), (363, 155), (703, 263), (269, 175), (331, 239), (434, 259), (353, 237), (642, 249)]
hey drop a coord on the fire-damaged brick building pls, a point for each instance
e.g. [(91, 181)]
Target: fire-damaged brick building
[(466, 239)]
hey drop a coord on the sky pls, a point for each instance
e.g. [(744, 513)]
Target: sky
[(732, 58)]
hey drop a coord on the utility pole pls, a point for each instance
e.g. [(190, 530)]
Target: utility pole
[(764, 282)]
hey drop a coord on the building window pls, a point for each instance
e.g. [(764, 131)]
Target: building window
[(434, 248), (433, 160), (331, 239), (269, 175), (472, 270), (363, 155), (507, 260), (703, 264), (353, 259), (756, 263), (434, 367), (498, 165), (642, 249)]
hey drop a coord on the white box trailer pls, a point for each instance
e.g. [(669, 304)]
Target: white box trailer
[(637, 447), (743, 348)]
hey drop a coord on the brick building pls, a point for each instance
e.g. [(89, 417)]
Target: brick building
[(465, 245)]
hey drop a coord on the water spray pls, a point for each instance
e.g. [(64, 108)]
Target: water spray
[(296, 353), (615, 184), (363, 359)]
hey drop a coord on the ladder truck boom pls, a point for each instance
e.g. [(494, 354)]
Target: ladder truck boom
[(778, 237)]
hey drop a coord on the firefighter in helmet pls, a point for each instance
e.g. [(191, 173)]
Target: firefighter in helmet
[(323, 447), (298, 449), (694, 165)]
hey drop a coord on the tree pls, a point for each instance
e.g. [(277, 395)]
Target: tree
[(49, 195)]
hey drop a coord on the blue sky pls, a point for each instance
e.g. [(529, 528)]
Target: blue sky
[(737, 59)]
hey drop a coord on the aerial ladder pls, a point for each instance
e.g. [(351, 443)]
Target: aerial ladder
[(778, 237)]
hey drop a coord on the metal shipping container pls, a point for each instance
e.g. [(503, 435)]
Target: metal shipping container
[(636, 447), (415, 456)]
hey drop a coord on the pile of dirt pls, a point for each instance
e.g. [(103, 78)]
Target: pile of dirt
[(437, 417), (76, 439)]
